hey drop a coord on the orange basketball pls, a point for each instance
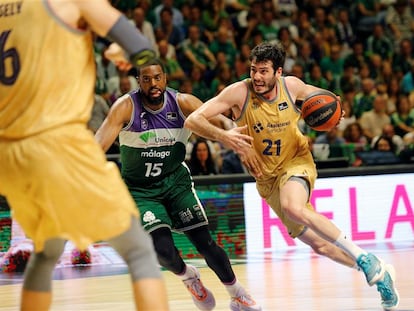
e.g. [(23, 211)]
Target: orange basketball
[(321, 110)]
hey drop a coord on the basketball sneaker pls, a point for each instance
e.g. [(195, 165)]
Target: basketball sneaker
[(372, 267), (244, 302), (386, 288), (202, 297)]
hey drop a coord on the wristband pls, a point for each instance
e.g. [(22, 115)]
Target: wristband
[(142, 57)]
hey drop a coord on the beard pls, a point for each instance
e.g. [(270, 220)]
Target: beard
[(153, 100), (269, 86)]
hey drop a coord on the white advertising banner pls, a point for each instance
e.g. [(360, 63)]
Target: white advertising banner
[(369, 209)]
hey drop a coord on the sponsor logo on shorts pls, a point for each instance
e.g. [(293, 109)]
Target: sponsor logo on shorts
[(186, 216), (149, 219)]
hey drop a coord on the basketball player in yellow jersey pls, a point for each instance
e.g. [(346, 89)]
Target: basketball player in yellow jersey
[(53, 173), (277, 155)]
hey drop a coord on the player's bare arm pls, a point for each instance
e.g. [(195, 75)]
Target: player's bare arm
[(99, 14), (231, 98), (298, 89), (189, 103), (227, 100), (119, 115)]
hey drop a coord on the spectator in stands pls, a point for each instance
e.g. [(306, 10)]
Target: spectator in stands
[(332, 65), (330, 137), (379, 43), (215, 10), (175, 74), (368, 14), (357, 57), (186, 86), (201, 160), (315, 77), (146, 5), (268, 26), (304, 57), (195, 53), (284, 38), (297, 71), (348, 80), (384, 143), (393, 91), (320, 19), (114, 83), (125, 86), (138, 19), (388, 131), (305, 29), (176, 15), (99, 112), (364, 98), (224, 76), (199, 85), (382, 89), (403, 58), (241, 68), (403, 118), (407, 81), (385, 73), (105, 69), (251, 26), (373, 121), (194, 19), (232, 164), (399, 21), (334, 141), (224, 42), (320, 47), (353, 134), (344, 30), (174, 34), (160, 35)]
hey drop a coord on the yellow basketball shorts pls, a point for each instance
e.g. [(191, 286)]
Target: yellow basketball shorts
[(59, 184)]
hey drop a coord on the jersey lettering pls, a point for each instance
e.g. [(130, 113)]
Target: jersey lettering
[(153, 169), (8, 59), (269, 147)]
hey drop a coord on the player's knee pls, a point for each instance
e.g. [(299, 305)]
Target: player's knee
[(166, 252), (294, 213), (135, 247)]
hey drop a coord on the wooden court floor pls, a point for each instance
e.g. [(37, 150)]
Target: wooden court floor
[(290, 281)]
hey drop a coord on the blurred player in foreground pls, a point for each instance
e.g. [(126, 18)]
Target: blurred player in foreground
[(277, 154), (53, 173)]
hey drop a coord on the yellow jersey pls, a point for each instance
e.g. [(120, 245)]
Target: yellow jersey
[(273, 124), (34, 96)]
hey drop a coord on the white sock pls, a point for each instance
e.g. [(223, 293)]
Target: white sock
[(234, 289), (188, 273), (348, 246)]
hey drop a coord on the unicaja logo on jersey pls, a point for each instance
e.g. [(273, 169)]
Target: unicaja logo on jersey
[(147, 136), (258, 127)]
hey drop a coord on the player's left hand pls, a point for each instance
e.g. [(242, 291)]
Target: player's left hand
[(251, 161), (117, 55)]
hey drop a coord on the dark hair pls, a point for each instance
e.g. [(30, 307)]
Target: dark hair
[(152, 62), (389, 140), (194, 163), (269, 52)]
